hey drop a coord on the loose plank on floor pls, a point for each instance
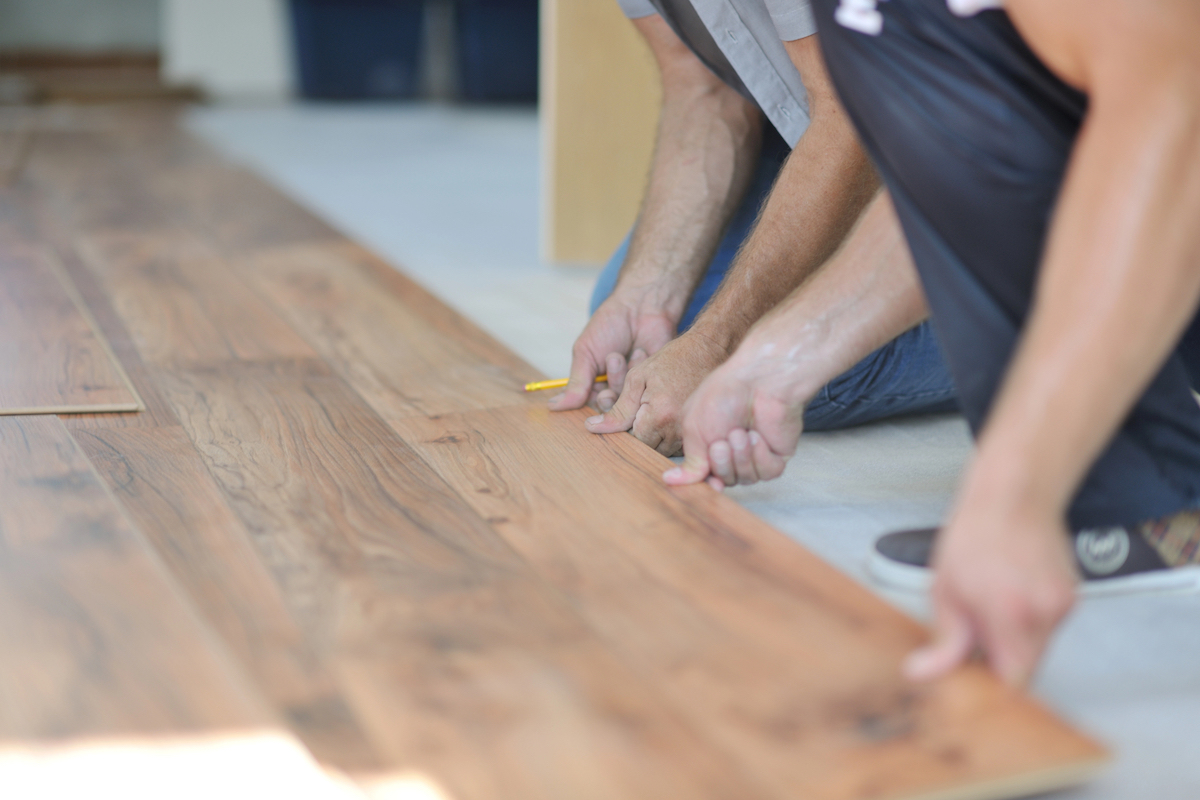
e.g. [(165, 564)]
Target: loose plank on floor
[(457, 658), (97, 641), (52, 358), (787, 663)]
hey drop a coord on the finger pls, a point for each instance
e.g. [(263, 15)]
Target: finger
[(579, 387), (952, 642), (1014, 638), (743, 464), (621, 416), (638, 356), (720, 461), (695, 466), (715, 483), (768, 464), (616, 367), (606, 399)]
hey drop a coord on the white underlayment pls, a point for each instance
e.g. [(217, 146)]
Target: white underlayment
[(451, 194)]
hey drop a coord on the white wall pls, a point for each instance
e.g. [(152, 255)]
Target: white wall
[(232, 49), (95, 25)]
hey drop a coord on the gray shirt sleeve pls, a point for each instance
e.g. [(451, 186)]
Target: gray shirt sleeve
[(637, 8), (793, 18)]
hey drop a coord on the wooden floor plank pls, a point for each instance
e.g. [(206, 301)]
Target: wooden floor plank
[(381, 342), (457, 657), (160, 480), (786, 662), (97, 641), (184, 304), (52, 358)]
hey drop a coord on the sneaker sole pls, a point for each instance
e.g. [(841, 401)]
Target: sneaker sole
[(917, 580)]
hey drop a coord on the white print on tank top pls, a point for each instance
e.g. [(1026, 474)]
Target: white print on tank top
[(863, 15)]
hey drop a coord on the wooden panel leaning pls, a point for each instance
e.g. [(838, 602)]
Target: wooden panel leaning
[(53, 360), (599, 100), (783, 661)]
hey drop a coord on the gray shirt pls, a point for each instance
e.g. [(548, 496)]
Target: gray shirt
[(741, 41)]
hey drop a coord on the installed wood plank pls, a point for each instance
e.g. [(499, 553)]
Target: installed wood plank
[(457, 658), (787, 663), (398, 355), (184, 304), (52, 358), (96, 639), (159, 478)]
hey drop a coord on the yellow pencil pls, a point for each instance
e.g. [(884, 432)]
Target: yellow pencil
[(557, 383)]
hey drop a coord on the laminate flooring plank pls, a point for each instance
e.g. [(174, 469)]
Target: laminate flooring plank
[(160, 480), (382, 342), (97, 640), (459, 660), (184, 304), (52, 358), (784, 661)]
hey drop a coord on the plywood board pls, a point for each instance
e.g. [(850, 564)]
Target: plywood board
[(53, 360), (598, 105)]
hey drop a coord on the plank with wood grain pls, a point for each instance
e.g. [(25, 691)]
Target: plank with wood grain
[(788, 664), (52, 357), (385, 339), (157, 476), (97, 639), (458, 659), (182, 303)]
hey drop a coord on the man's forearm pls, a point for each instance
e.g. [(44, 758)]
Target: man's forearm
[(705, 155), (821, 191), (862, 298)]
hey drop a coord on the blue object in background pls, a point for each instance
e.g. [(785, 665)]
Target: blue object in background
[(358, 49), (498, 50)]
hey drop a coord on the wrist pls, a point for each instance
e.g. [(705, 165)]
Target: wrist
[(665, 296)]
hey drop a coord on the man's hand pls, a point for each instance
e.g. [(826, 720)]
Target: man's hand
[(623, 331), (740, 426), (653, 393), (1003, 583)]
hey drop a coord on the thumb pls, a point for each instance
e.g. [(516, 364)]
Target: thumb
[(620, 416), (579, 386), (951, 645)]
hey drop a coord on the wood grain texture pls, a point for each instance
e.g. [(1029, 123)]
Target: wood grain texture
[(785, 662), (599, 103), (159, 478), (456, 657), (184, 304), (52, 358), (381, 342), (96, 640)]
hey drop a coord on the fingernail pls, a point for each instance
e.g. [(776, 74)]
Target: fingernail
[(755, 438), (605, 404), (596, 420), (674, 472)]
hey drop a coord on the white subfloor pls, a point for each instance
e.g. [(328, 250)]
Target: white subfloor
[(451, 196)]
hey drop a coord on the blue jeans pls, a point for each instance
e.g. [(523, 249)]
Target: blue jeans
[(906, 376)]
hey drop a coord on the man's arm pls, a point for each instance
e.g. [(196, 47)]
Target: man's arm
[(1119, 282), (744, 421), (704, 157), (821, 190)]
